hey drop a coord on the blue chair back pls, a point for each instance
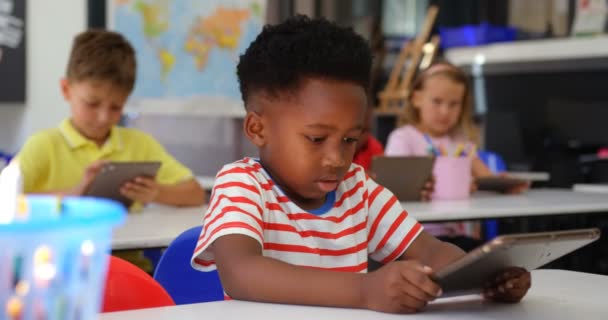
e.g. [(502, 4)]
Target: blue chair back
[(497, 165), (493, 160), (5, 158), (182, 282)]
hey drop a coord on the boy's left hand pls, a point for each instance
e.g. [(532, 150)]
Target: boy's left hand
[(142, 189), (509, 286)]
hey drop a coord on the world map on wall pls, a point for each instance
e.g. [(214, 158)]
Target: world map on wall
[(187, 50)]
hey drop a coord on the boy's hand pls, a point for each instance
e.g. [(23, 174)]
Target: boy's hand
[(87, 178), (400, 287), (509, 286), (427, 190), (142, 189)]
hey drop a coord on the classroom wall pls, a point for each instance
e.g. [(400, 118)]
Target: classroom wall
[(51, 26)]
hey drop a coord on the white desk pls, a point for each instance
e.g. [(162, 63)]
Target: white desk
[(535, 202), (597, 188), (555, 295), (157, 226)]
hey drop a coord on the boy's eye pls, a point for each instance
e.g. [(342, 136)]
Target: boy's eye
[(351, 140), (436, 101), (316, 139)]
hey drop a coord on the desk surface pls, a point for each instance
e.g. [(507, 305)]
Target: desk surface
[(489, 206), (155, 227), (585, 187), (555, 294), (158, 225)]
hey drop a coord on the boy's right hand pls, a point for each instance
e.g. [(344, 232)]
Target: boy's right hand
[(87, 178), (400, 287)]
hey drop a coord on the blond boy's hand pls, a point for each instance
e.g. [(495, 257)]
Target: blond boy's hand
[(142, 189), (400, 287), (87, 178)]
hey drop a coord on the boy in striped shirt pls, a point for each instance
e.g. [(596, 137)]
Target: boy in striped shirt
[(298, 224)]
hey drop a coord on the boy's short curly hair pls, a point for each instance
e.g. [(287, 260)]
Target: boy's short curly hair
[(102, 55), (284, 55)]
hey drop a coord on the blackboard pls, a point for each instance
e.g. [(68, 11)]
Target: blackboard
[(12, 50)]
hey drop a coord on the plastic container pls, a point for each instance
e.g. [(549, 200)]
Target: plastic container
[(54, 255), (452, 178), (475, 35)]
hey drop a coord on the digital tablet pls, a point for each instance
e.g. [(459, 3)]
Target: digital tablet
[(403, 176), (498, 184), (528, 250), (113, 175)]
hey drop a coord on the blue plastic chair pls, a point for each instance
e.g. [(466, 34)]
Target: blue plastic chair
[(494, 161), (5, 158), (182, 282), (497, 165)]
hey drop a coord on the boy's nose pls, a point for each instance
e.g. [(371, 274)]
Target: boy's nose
[(334, 159), (103, 117)]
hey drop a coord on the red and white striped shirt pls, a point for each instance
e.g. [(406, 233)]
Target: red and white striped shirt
[(360, 219)]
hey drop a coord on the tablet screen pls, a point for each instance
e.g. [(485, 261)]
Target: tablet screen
[(529, 251), (113, 175)]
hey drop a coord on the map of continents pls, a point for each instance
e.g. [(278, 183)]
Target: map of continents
[(187, 50)]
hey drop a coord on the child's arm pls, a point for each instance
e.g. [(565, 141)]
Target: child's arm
[(480, 169), (186, 193), (145, 190), (169, 187), (87, 178), (400, 287), (432, 252)]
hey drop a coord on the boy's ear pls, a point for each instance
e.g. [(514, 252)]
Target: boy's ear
[(253, 126), (65, 88)]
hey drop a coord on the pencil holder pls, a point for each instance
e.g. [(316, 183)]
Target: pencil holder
[(54, 255), (452, 178)]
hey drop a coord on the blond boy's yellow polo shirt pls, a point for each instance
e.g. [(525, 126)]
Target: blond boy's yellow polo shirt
[(55, 159)]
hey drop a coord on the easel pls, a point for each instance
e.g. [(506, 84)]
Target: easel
[(397, 90)]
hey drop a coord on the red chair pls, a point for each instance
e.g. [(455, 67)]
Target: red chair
[(128, 288)]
